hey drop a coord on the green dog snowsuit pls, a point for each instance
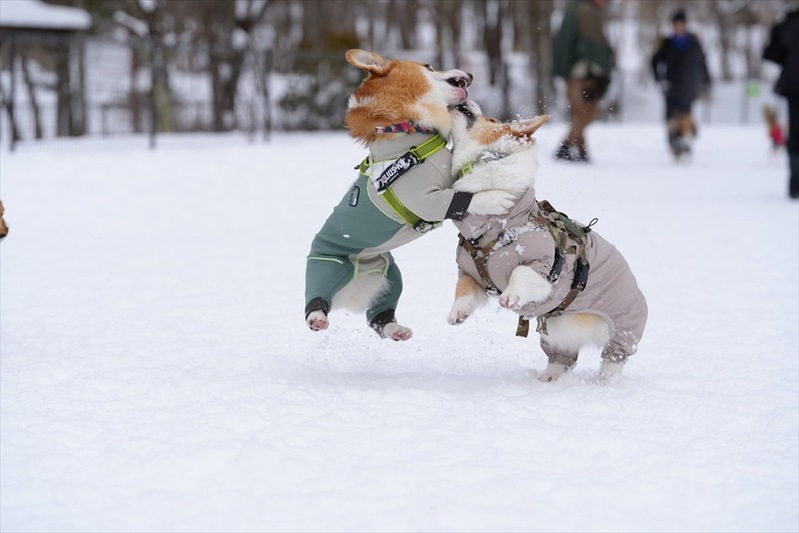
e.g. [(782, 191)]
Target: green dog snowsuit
[(368, 223)]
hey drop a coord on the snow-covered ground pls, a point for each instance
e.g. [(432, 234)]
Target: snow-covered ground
[(157, 375)]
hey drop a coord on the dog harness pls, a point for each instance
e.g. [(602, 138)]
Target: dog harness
[(385, 173), (569, 237)]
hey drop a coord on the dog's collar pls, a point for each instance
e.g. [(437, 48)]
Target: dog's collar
[(405, 127), (485, 157)]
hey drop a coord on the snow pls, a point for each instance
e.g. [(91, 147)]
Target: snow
[(157, 374), (36, 14)]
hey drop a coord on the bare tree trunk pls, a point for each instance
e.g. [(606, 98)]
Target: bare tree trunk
[(493, 12), (403, 14), (63, 97), (161, 92), (220, 21), (538, 17), (724, 21), (313, 24), (519, 14), (372, 10), (135, 100), (647, 36), (7, 100), (448, 16), (8, 104), (225, 74), (448, 33), (81, 88), (37, 119)]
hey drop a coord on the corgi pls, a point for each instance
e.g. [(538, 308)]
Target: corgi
[(400, 113), (539, 263)]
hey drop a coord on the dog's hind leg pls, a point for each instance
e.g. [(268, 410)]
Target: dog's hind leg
[(615, 353), (385, 324), (568, 333), (560, 361), (324, 277), (380, 314)]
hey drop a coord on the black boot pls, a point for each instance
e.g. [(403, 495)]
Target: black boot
[(565, 152), (676, 144)]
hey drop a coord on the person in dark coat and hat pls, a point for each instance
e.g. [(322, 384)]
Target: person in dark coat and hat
[(783, 49), (679, 66)]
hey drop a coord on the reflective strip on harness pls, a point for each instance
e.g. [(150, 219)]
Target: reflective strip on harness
[(413, 157)]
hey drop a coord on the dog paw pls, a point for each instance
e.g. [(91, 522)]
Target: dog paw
[(510, 300), (460, 312), (317, 321), (396, 332), (609, 370), (491, 203), (552, 372), (456, 317)]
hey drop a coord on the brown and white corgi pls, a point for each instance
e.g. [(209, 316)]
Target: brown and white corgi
[(400, 112), (540, 263)]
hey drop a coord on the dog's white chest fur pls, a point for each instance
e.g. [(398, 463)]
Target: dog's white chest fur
[(505, 166)]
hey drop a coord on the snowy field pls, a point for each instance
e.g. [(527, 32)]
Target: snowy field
[(157, 374)]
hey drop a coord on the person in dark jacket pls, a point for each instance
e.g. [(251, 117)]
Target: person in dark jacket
[(783, 49), (582, 56), (679, 66)]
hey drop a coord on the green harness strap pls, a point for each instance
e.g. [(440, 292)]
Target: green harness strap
[(422, 152)]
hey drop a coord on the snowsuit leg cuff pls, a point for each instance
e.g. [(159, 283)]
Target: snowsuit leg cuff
[(317, 304), (381, 320)]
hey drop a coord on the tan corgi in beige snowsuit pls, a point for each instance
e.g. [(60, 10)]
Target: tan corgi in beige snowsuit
[(575, 285)]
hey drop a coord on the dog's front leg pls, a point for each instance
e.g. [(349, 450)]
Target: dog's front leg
[(524, 286), (468, 297), (491, 203)]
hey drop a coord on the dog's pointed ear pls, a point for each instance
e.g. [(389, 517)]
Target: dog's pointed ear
[(526, 128), (368, 61)]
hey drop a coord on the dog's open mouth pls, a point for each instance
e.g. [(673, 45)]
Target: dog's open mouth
[(464, 110), (461, 83)]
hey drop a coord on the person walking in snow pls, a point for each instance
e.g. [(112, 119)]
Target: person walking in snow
[(582, 56), (783, 49), (679, 66)]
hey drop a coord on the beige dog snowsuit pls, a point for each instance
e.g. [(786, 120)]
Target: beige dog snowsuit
[(520, 238)]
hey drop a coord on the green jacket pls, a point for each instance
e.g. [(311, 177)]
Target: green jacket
[(581, 37)]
